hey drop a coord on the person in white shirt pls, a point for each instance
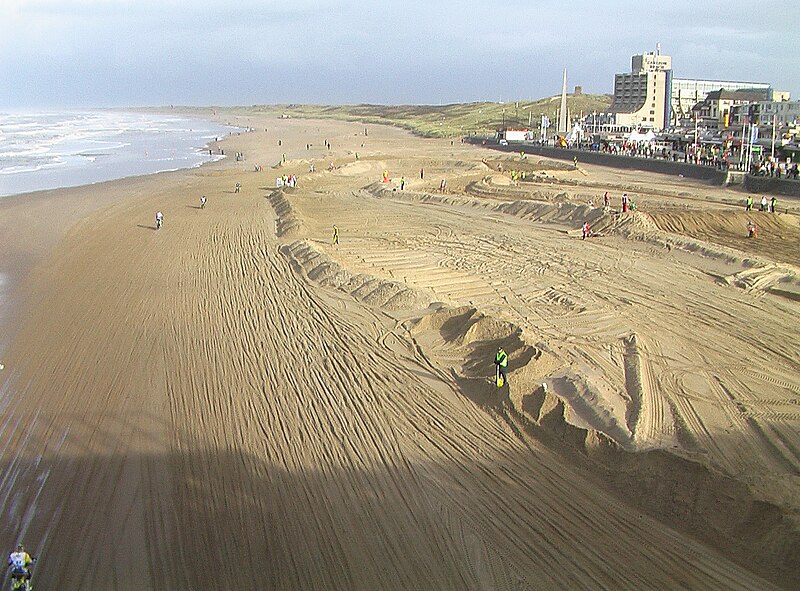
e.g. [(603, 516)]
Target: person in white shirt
[(20, 561)]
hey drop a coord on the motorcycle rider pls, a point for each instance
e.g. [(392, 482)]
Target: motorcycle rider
[(20, 561)]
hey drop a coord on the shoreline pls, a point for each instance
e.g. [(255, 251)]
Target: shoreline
[(50, 214), (81, 148)]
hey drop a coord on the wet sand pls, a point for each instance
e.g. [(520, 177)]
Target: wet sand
[(234, 402)]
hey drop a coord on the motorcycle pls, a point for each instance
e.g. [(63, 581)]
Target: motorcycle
[(20, 579)]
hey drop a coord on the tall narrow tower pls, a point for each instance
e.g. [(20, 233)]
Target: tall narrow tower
[(562, 117)]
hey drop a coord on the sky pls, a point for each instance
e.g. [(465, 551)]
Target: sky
[(118, 53)]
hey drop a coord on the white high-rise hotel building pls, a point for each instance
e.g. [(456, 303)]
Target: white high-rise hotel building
[(642, 97)]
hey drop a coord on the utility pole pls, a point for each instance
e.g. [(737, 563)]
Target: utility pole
[(772, 154), (743, 147)]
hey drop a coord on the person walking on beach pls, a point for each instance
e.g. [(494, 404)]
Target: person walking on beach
[(203, 202), (335, 240), (159, 219), (237, 188)]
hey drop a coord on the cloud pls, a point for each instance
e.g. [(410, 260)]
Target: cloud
[(122, 51)]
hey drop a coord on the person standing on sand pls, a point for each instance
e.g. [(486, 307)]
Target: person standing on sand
[(203, 202), (606, 200), (402, 183), (748, 204), (764, 203), (501, 361), (772, 203), (586, 230), (335, 240), (421, 174)]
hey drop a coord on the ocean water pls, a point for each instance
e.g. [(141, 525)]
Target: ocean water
[(65, 149)]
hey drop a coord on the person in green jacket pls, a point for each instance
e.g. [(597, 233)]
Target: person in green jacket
[(501, 361)]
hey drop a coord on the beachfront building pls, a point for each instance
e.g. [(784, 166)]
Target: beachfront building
[(686, 94), (785, 113), (642, 97), (714, 111)]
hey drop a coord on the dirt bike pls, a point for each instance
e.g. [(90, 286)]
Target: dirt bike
[(20, 580)]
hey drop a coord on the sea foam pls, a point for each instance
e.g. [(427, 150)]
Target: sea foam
[(64, 149)]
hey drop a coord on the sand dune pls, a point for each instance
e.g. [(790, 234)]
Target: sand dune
[(234, 402)]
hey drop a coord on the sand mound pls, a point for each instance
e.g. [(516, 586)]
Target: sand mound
[(320, 268), (288, 222), (572, 412), (778, 234), (360, 167), (559, 213), (757, 274), (464, 342)]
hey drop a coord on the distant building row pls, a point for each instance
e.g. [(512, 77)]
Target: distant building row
[(649, 96)]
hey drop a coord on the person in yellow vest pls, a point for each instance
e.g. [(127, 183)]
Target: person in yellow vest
[(501, 361)]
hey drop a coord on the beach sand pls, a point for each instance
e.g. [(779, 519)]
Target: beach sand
[(233, 402)]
